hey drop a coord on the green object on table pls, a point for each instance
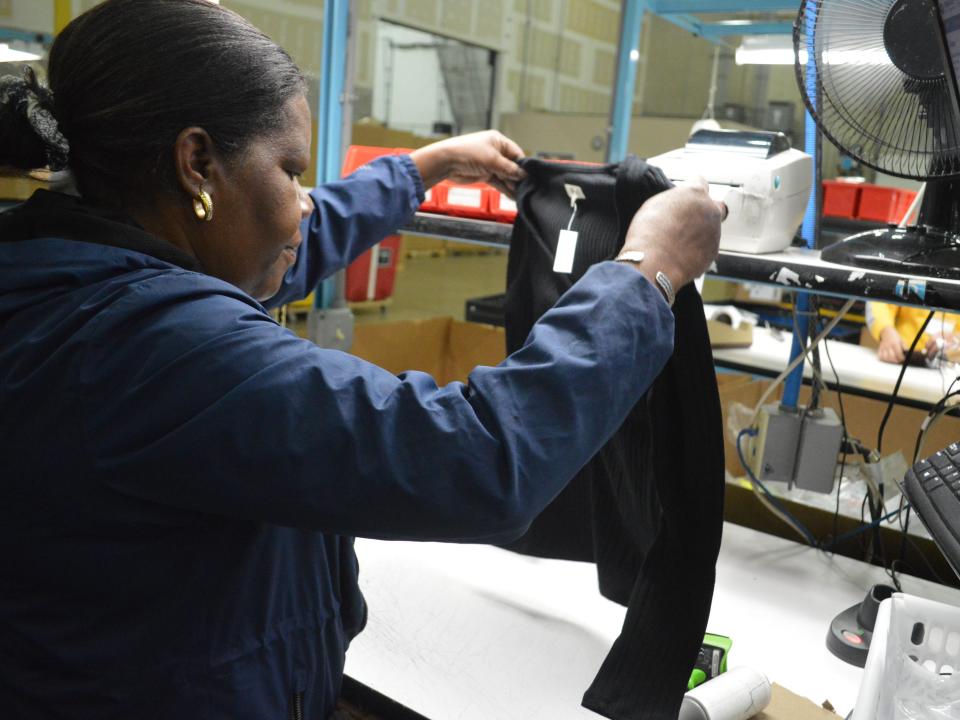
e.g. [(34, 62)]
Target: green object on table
[(711, 661)]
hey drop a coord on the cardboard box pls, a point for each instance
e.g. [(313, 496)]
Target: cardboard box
[(785, 705), (448, 349)]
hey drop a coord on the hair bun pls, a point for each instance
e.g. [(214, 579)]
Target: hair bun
[(26, 104)]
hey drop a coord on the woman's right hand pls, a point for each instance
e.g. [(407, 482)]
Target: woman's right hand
[(891, 347), (679, 233)]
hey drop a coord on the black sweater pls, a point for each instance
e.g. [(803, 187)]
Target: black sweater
[(648, 508)]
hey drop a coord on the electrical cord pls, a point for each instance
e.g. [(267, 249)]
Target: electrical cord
[(768, 499), (797, 360), (845, 440), (896, 387)]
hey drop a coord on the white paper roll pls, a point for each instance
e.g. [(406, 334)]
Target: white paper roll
[(737, 694)]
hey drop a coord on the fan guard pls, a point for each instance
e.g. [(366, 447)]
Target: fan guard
[(883, 93)]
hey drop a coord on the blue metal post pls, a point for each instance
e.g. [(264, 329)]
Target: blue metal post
[(791, 388), (336, 18), (628, 53), (333, 65)]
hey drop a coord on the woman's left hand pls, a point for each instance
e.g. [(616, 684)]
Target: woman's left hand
[(487, 157)]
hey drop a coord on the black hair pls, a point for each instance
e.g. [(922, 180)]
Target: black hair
[(129, 75)]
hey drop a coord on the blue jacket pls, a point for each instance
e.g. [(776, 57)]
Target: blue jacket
[(180, 477)]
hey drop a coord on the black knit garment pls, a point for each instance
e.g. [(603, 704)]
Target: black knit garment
[(648, 508)]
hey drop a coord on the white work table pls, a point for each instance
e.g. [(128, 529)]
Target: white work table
[(857, 367), (478, 633)]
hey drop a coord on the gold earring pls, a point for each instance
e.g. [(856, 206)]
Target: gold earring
[(203, 205)]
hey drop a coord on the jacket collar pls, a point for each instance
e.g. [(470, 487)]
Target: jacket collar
[(50, 214)]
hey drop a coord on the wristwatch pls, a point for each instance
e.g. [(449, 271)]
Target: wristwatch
[(663, 282)]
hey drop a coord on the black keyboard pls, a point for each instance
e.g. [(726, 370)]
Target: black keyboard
[(933, 488)]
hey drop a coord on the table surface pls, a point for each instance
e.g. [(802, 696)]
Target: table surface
[(857, 367), (478, 633)]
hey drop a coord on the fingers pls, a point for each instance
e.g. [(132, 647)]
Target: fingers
[(509, 148), (724, 210)]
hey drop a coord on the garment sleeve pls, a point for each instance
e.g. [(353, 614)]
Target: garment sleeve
[(879, 317), (349, 217), (232, 415)]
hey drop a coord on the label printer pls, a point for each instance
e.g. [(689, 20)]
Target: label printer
[(764, 182)]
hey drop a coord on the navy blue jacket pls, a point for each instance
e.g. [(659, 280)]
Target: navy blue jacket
[(180, 477)]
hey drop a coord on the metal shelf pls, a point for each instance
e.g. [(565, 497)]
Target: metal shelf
[(792, 269)]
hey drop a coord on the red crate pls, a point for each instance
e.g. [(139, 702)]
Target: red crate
[(433, 198), (358, 155), (841, 199), (502, 208), (470, 201), (884, 204), (373, 275)]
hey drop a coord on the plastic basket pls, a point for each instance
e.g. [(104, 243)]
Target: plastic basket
[(913, 667)]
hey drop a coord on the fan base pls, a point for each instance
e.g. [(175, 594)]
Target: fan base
[(922, 250)]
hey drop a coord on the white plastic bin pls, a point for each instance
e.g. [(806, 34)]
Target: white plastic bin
[(913, 667)]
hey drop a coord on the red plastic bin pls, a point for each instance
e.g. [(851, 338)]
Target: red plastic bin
[(469, 201), (358, 155), (841, 199), (372, 275), (502, 208), (884, 204)]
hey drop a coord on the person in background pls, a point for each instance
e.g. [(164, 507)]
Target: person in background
[(894, 327)]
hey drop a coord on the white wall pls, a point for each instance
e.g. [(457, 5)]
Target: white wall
[(409, 79)]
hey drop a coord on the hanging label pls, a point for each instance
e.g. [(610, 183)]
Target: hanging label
[(566, 249)]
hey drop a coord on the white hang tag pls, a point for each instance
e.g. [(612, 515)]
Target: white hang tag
[(566, 249)]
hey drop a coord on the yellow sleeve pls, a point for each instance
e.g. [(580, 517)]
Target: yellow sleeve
[(880, 316)]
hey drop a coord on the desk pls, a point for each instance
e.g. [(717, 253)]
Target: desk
[(858, 368), (479, 633)]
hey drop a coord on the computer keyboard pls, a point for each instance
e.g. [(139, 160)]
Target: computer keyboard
[(933, 488)]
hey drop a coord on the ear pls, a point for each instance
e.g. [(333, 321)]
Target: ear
[(195, 159)]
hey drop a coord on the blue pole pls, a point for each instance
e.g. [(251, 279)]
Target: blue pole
[(791, 388), (628, 53), (333, 64)]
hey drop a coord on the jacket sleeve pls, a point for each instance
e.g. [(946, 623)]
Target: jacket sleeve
[(879, 317), (230, 414), (349, 217)]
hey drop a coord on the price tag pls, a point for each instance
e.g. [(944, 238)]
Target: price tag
[(566, 249)]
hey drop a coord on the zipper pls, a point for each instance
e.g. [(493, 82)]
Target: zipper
[(296, 707)]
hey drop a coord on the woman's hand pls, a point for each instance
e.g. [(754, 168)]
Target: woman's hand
[(679, 233), (891, 347), (487, 157)]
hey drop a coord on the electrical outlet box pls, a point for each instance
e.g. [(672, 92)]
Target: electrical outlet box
[(775, 446), (820, 437), (797, 446)]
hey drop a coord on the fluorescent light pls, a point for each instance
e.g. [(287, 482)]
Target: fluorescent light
[(768, 57), (8, 54), (767, 50)]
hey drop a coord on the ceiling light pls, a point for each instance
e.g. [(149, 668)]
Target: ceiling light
[(767, 50), (8, 54)]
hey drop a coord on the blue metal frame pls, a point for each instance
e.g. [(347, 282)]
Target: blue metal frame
[(333, 66), (681, 13), (336, 23), (628, 52), (791, 388), (26, 35)]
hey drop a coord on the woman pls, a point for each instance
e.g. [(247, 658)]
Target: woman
[(182, 477)]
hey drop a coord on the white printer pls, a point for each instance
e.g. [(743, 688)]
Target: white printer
[(764, 182)]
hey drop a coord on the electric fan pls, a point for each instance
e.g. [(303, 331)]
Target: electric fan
[(877, 77)]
